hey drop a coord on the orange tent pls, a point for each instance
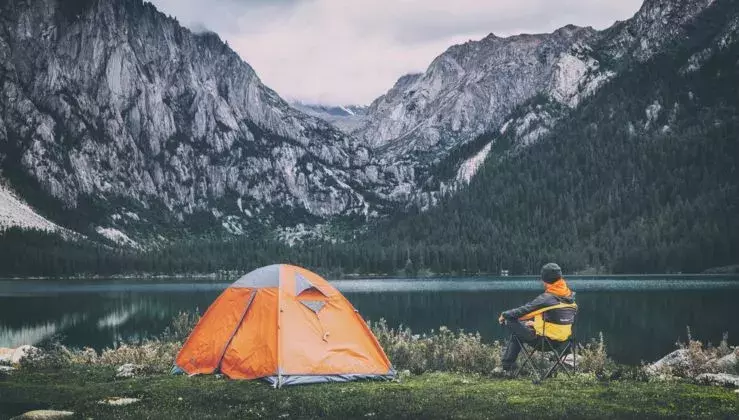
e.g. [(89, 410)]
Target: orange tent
[(287, 325)]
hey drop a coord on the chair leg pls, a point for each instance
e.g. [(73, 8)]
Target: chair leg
[(560, 356), (574, 356), (528, 359), (554, 367), (525, 352), (547, 347)]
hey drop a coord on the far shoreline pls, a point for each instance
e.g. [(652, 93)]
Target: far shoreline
[(233, 276)]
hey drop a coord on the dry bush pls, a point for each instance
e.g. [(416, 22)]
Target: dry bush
[(702, 357), (154, 355), (697, 358), (593, 357), (181, 326), (444, 350)]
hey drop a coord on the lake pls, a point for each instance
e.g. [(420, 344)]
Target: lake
[(641, 317)]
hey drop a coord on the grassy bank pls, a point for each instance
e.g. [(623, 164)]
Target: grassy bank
[(444, 374), (432, 395)]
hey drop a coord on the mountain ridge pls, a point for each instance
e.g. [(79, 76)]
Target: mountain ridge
[(579, 62), (114, 101), (113, 118)]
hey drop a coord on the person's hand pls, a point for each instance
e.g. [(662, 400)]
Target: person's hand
[(501, 320), (529, 323)]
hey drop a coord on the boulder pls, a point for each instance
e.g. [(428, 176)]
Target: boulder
[(676, 358), (728, 362), (24, 352), (6, 369), (119, 401), (44, 415), (129, 370), (569, 359), (720, 379)]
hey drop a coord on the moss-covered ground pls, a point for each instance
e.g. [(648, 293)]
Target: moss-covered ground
[(427, 396)]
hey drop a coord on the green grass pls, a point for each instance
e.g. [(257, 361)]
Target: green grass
[(433, 395)]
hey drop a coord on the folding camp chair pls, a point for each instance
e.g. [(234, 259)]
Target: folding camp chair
[(546, 346)]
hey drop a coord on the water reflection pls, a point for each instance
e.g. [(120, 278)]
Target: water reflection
[(641, 319)]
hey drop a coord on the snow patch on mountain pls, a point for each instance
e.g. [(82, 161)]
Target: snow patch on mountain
[(16, 213)]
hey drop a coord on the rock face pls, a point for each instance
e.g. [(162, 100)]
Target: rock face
[(113, 102), (15, 213), (654, 26), (489, 86), (114, 111), (473, 87)]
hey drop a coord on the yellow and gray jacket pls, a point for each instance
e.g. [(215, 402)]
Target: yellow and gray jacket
[(553, 315)]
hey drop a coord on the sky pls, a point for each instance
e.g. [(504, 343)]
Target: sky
[(345, 52)]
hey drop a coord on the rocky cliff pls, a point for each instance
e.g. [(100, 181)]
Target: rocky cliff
[(523, 82), (114, 106)]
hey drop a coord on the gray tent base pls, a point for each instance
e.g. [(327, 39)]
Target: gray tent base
[(318, 379), (313, 379)]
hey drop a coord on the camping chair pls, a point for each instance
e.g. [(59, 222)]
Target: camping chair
[(548, 346)]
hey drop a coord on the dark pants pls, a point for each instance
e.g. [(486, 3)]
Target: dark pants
[(524, 333)]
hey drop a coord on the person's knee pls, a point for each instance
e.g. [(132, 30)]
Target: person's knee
[(513, 326), (510, 324)]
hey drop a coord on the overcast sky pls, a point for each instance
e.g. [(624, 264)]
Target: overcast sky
[(352, 51)]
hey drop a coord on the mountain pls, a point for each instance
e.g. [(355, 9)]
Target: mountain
[(433, 121), (613, 149), (468, 89), (346, 118), (643, 176), (114, 118)]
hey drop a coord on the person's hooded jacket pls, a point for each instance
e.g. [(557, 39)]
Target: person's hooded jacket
[(554, 323)]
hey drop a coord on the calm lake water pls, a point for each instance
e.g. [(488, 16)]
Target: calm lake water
[(640, 317)]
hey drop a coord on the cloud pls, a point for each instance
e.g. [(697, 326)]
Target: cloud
[(351, 51)]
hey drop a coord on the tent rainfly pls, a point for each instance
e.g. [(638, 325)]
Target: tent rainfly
[(286, 325)]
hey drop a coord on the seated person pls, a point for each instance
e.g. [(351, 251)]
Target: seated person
[(532, 320)]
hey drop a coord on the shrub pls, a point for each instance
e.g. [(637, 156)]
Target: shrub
[(444, 350), (594, 357), (154, 355), (697, 358), (181, 326)]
